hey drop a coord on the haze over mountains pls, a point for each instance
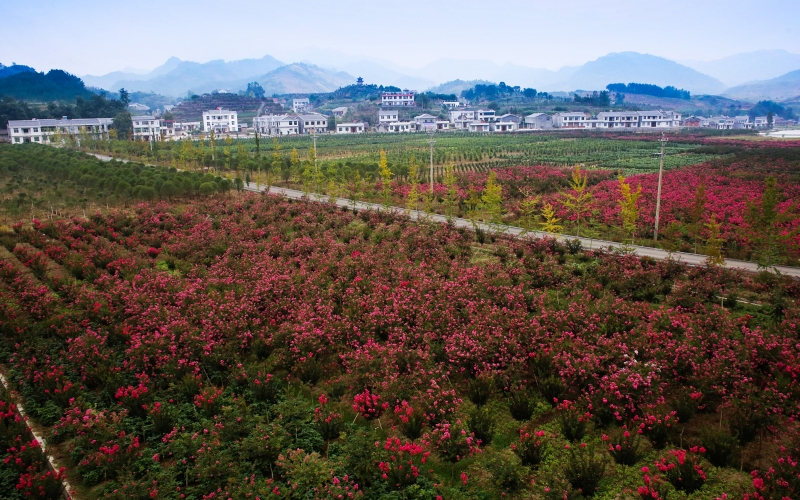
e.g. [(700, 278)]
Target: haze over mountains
[(321, 70)]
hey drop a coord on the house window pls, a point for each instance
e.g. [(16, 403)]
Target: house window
[(16, 131)]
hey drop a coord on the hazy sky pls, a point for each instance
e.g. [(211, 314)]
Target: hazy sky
[(96, 37)]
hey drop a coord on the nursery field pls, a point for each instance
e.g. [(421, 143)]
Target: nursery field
[(468, 152), (234, 345)]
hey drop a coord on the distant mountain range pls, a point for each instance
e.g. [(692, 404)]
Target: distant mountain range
[(456, 86), (748, 67), (176, 77), (783, 88), (760, 75)]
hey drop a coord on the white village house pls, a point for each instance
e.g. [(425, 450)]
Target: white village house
[(146, 128), (404, 98), (277, 125), (301, 104), (39, 131), (351, 128), (313, 123), (221, 121), (339, 112), (388, 116)]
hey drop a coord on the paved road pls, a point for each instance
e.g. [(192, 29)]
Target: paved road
[(587, 243)]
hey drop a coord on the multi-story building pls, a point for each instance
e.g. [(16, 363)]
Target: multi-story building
[(351, 128), (313, 123), (659, 119), (720, 123), (569, 120), (41, 131), (462, 114), (760, 122), (339, 112), (742, 122), (617, 119), (221, 121), (487, 115), (146, 128), (425, 121), (388, 116), (277, 125), (538, 121), (404, 98), (168, 130), (300, 105)]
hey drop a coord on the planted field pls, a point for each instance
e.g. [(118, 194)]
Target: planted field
[(251, 347), (467, 152)]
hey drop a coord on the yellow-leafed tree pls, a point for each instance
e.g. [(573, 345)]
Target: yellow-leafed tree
[(578, 199), (628, 205), (492, 198), (713, 246), (386, 177), (550, 222)]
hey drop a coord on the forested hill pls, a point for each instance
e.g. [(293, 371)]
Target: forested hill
[(6, 71), (55, 85)]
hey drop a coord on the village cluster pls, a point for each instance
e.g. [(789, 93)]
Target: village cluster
[(304, 120)]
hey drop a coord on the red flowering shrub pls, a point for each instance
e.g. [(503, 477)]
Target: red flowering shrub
[(531, 448), (683, 469), (46, 485), (369, 405), (402, 463)]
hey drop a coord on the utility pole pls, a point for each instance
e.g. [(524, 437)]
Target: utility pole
[(663, 141), (431, 142)]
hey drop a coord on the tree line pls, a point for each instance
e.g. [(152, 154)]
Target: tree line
[(648, 89)]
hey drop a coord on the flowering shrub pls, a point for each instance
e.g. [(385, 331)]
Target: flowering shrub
[(453, 442), (531, 448), (625, 448), (403, 462), (683, 469), (653, 488), (330, 422), (47, 485), (369, 405), (210, 365)]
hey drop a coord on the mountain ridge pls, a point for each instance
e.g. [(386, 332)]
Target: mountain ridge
[(781, 88)]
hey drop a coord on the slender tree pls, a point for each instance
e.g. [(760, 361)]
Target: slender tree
[(412, 199), (451, 198), (578, 199), (492, 198), (386, 178), (713, 246), (628, 205), (550, 222)]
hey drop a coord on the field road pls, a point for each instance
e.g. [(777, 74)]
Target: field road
[(517, 232)]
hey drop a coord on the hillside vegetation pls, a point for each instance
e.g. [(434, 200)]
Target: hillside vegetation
[(55, 85)]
